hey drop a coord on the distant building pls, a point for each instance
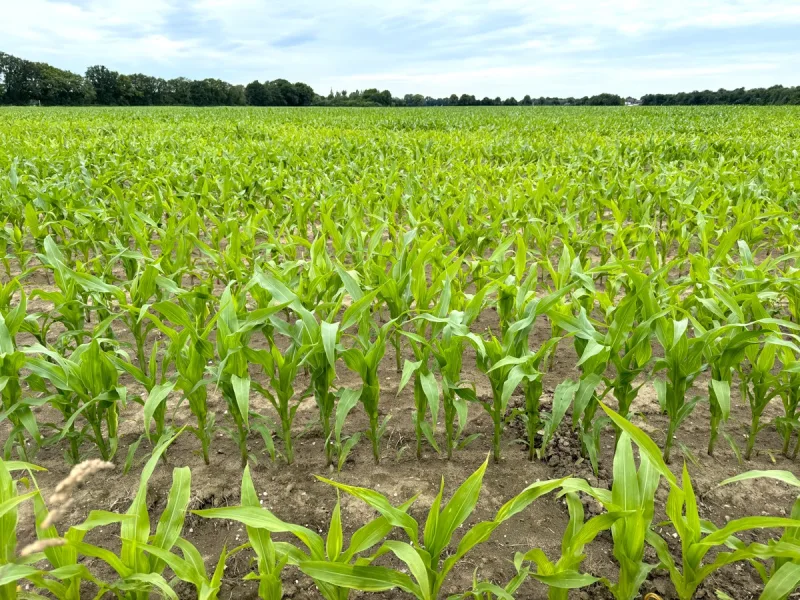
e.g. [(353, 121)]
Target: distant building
[(631, 101)]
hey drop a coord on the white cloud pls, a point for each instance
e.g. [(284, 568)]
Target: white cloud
[(508, 47)]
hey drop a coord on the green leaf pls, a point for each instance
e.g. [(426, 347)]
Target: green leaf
[(432, 522), (346, 448), (241, 390), (174, 313), (784, 476), (722, 391), (11, 573), (562, 398), (782, 583), (135, 531), (154, 580), (353, 312), (157, 395), (347, 401), (396, 517), (171, 522), (260, 539), (6, 341), (94, 284), (745, 524), (566, 580), (363, 578), (333, 545), (645, 444), (367, 536), (431, 389), (458, 509), (184, 570), (18, 465), (592, 349), (263, 519), (330, 332), (416, 565), (15, 501), (108, 557), (625, 486), (409, 368)]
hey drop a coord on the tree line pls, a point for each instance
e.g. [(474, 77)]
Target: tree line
[(26, 82), (777, 94), (372, 97)]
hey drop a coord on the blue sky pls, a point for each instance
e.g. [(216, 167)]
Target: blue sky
[(499, 48)]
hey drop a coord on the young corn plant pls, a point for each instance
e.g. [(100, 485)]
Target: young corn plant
[(429, 299), (486, 590), (682, 362), (684, 517), (783, 575), (719, 310), (789, 423), (632, 496), (15, 408), (448, 335), (234, 330), (592, 364), (626, 344), (698, 537), (630, 352), (13, 568), (633, 491), (528, 367), (724, 355), (191, 350), (158, 388), (87, 387), (319, 344), (426, 395), (138, 573), (273, 556), (79, 294), (564, 574), (342, 445), (281, 369), (232, 374), (760, 384), (364, 359), (526, 372), (491, 355), (394, 289), (506, 369), (142, 288), (424, 556), (269, 559), (456, 394), (191, 567)]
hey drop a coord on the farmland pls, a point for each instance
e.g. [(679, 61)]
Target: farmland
[(282, 326)]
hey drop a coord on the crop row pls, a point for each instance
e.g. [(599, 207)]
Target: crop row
[(428, 553), (123, 264), (627, 321)]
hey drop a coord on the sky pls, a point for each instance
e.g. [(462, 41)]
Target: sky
[(432, 47)]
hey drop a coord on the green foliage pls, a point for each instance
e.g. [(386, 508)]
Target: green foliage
[(220, 271), (424, 555)]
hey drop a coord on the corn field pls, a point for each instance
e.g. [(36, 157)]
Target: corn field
[(316, 352)]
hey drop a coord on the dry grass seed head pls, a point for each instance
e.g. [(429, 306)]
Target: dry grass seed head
[(62, 497), (41, 546)]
